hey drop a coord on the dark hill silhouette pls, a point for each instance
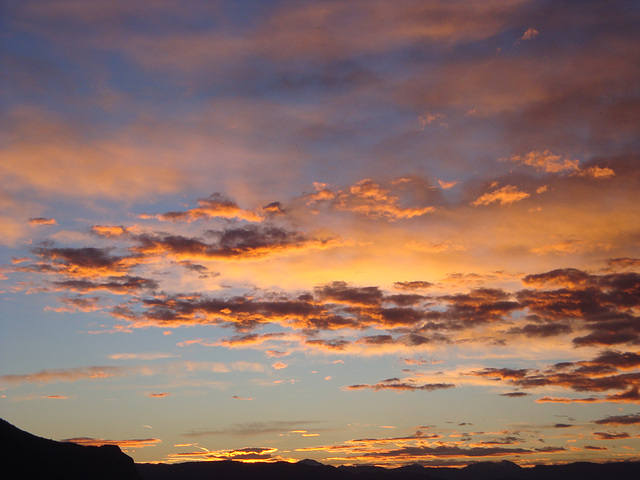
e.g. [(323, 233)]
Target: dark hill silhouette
[(311, 470), (24, 456)]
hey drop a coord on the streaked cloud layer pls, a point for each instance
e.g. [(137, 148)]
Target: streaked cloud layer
[(423, 212)]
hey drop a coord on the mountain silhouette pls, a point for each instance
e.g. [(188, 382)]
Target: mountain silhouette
[(312, 470), (24, 456)]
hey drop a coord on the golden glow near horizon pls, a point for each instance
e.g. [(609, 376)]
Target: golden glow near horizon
[(358, 232)]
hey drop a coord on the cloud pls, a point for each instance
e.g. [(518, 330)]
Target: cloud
[(399, 386), (631, 419), (275, 353), (611, 436), (253, 428), (447, 185), (530, 34), (215, 206), (124, 444), (158, 395), (110, 231), (369, 199), (102, 372), (343, 293), (141, 356), (515, 394), (412, 285), (447, 451), (546, 162), (596, 172), (249, 242), (120, 285), (247, 454), (597, 375), (43, 221), (64, 375), (115, 166), (82, 262), (561, 277), (78, 304), (623, 263), (435, 247), (505, 195), (548, 399)]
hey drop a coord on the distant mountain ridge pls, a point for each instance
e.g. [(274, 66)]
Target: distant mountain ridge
[(24, 456), (312, 470)]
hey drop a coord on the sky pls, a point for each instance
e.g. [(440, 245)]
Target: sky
[(363, 232)]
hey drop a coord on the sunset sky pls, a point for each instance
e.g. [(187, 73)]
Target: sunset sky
[(362, 232)]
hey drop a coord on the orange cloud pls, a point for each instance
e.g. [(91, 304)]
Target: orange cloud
[(505, 196), (109, 231), (530, 34), (43, 221), (158, 395), (124, 444), (596, 172), (369, 199), (546, 162), (216, 206)]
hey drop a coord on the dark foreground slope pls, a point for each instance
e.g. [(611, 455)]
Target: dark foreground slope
[(25, 457), (309, 470)]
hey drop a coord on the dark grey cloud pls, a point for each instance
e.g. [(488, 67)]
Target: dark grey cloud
[(344, 293), (631, 419), (120, 285), (397, 385), (412, 285)]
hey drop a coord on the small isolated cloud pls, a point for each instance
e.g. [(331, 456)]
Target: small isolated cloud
[(611, 436), (429, 118), (158, 395), (236, 397), (43, 221), (141, 356), (108, 231), (515, 394), (400, 386), (596, 172), (548, 399), (546, 162), (505, 196), (55, 397), (279, 365), (412, 285), (276, 353), (632, 419), (447, 185), (530, 34)]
